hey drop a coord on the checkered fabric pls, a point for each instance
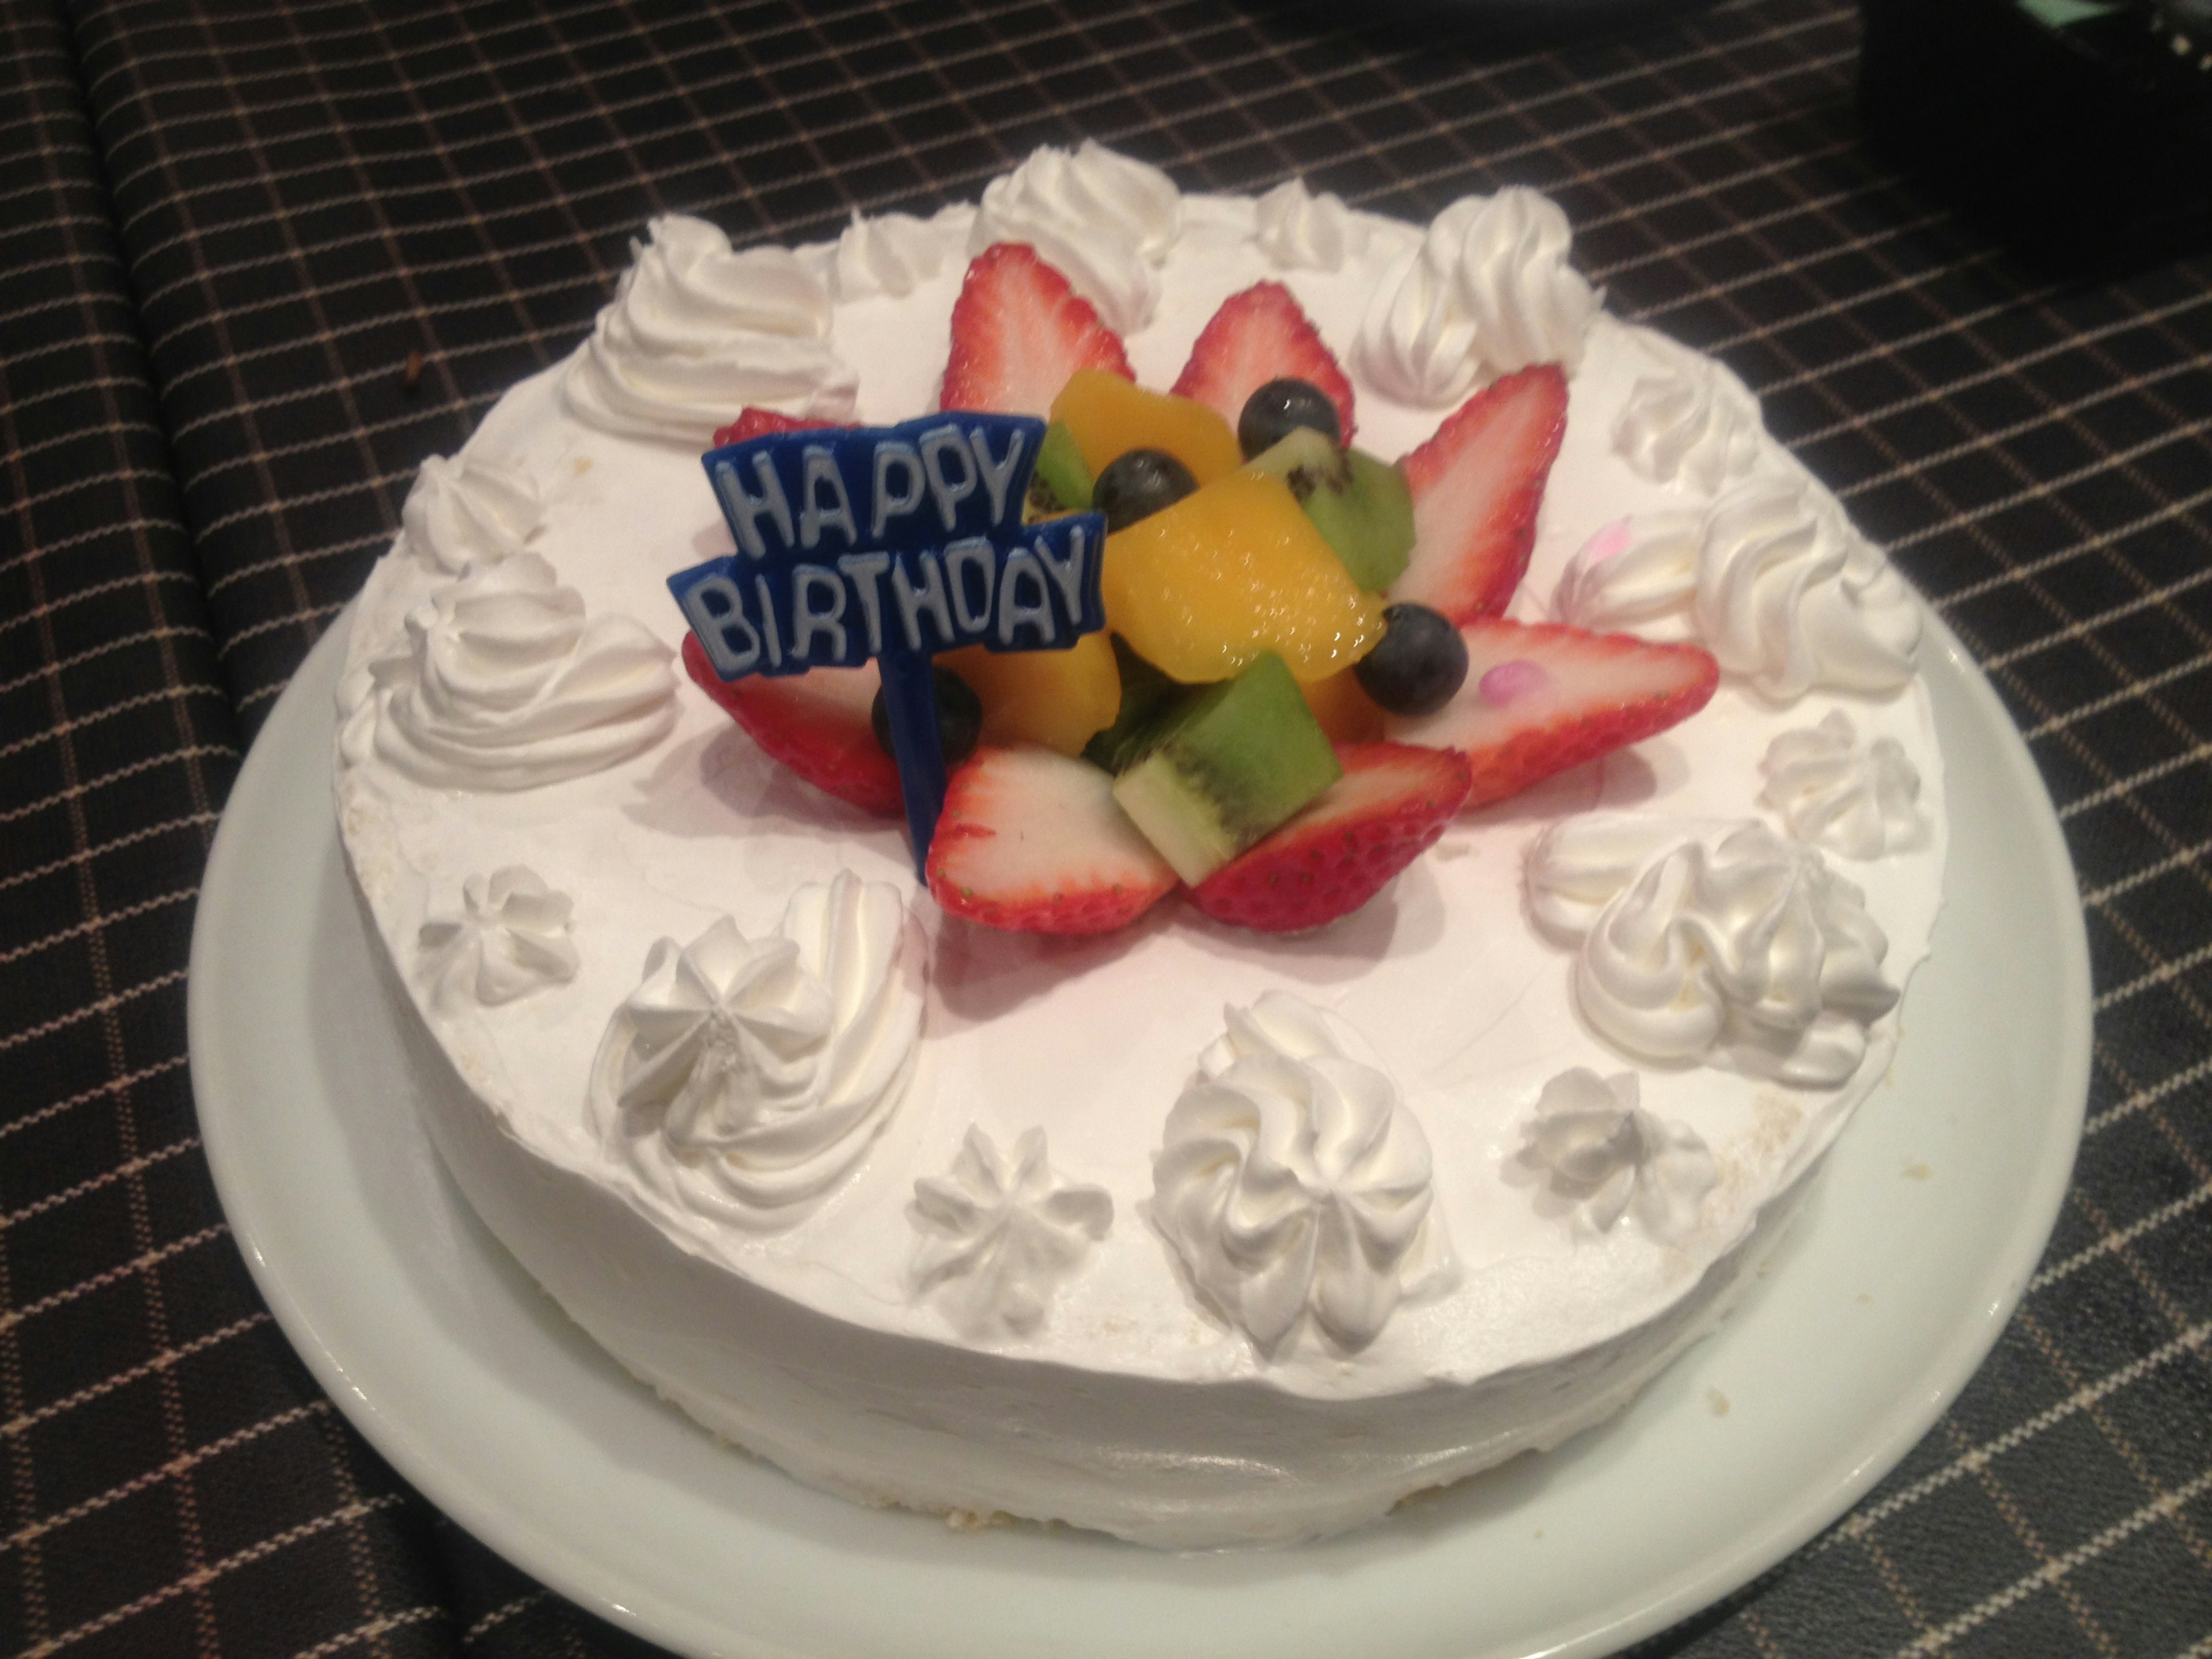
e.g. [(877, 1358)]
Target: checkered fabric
[(259, 261)]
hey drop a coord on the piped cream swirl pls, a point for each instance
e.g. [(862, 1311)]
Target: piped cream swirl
[(499, 682), (1000, 1235), (1791, 597), (1609, 1158), (1635, 575), (698, 331), (1104, 220), (1721, 945), (1295, 1184), (744, 1078), (1691, 420), (1298, 230), (1862, 802), (895, 253), (509, 937), (1488, 291), (462, 511), (1772, 580)]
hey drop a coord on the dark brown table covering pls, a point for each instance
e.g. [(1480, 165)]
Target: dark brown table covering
[(224, 228)]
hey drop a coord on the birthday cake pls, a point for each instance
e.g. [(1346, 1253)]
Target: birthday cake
[(1205, 1150)]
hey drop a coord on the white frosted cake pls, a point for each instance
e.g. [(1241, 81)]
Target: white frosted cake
[(1197, 1236)]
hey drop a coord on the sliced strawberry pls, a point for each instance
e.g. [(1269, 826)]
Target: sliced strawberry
[(1476, 486), (1018, 331), (1387, 810), (1260, 335), (1540, 698), (815, 723), (1032, 843), (759, 423)]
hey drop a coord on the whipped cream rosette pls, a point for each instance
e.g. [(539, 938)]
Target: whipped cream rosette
[(698, 331), (502, 682), (1105, 222)]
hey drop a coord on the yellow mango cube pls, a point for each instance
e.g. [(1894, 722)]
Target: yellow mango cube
[(1110, 417), (1060, 699), (1236, 569)]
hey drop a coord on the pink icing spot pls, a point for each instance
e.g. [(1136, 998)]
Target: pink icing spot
[(1512, 680), (1609, 542)]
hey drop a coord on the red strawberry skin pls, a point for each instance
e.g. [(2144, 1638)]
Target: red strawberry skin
[(753, 423), (1476, 486), (1540, 698), (1260, 335), (815, 723), (1018, 331), (1032, 842), (1343, 847)]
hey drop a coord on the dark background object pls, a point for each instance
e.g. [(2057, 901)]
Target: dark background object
[(2078, 132)]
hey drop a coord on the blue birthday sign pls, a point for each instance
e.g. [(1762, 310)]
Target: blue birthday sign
[(891, 542)]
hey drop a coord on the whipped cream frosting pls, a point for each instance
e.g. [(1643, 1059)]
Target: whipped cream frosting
[(1000, 1233), (500, 682), (1721, 945), (1104, 222), (461, 513), (1488, 291), (1862, 801), (1609, 1158), (1294, 1180), (743, 1078), (893, 254), (1690, 419), (698, 331), (1137, 1403), (1772, 580), (1298, 230), (509, 937)]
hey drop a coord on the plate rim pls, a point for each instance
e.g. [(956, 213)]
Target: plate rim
[(542, 1552)]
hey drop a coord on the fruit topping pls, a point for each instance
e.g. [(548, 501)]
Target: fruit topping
[(1057, 698), (959, 715), (1062, 481), (1419, 664), (753, 423), (1476, 486), (1390, 805), (1139, 483), (1018, 331), (815, 723), (1108, 416), (1227, 767), (1149, 698), (1281, 407), (1359, 503), (1260, 335), (1230, 571), (1539, 698), (1346, 713), (1032, 842)]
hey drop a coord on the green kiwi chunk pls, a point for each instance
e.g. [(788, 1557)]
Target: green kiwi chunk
[(1227, 768), (1149, 702), (1359, 503), (1061, 483)]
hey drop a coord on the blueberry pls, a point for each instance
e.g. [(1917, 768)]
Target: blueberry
[(1281, 408), (1137, 483), (1419, 663), (959, 716)]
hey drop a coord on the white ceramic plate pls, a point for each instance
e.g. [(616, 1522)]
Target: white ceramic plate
[(1904, 1266)]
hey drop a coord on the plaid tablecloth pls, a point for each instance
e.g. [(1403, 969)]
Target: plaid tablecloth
[(258, 262)]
